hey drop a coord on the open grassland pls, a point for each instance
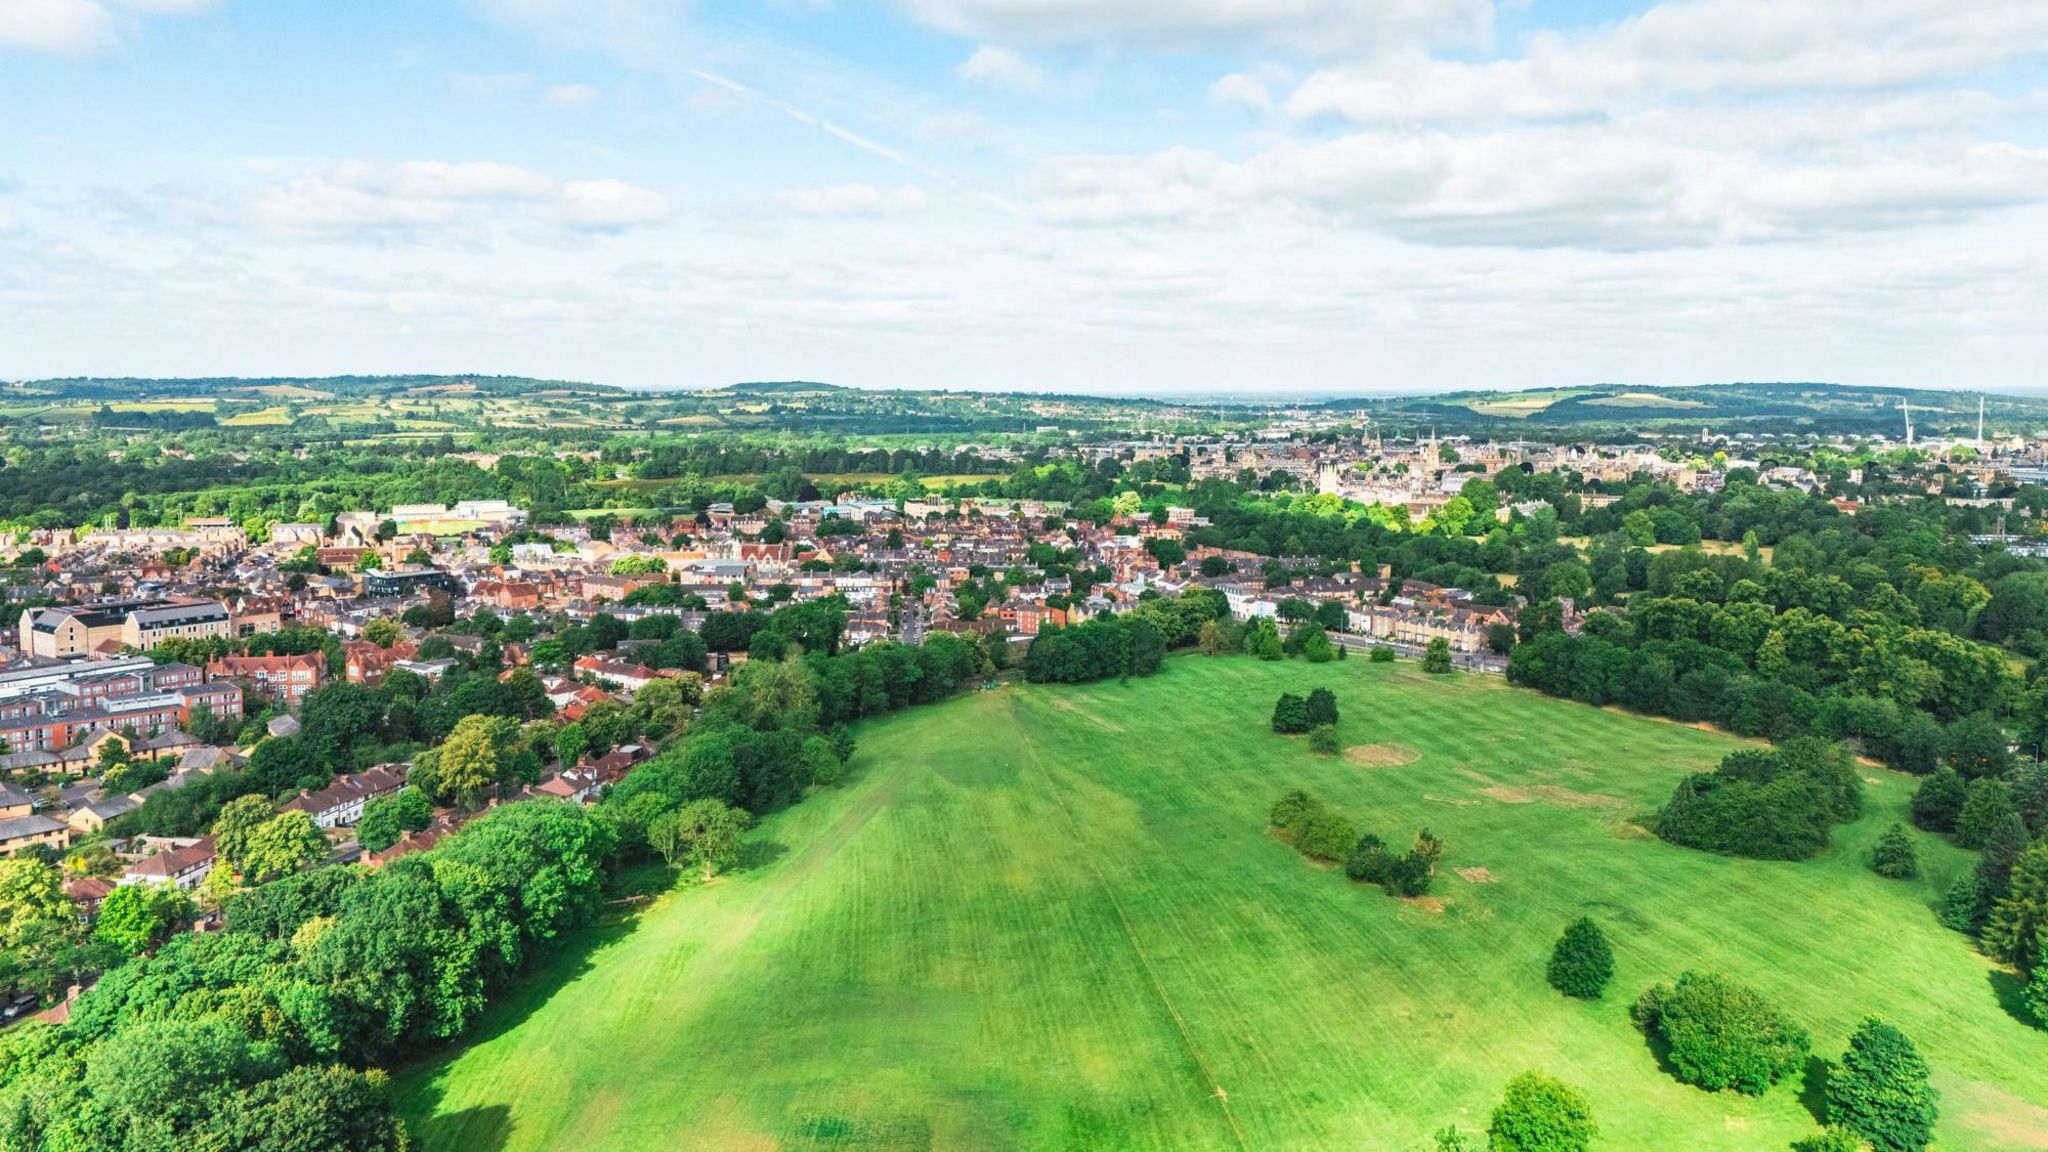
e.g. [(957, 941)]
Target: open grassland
[(1711, 547), (1518, 405), (1643, 400), (1053, 918)]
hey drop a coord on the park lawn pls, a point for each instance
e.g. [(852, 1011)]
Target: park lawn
[(1052, 917)]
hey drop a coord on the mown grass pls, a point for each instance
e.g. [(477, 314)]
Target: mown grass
[(1053, 918)]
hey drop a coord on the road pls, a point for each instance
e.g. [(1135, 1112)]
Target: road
[(1470, 661)]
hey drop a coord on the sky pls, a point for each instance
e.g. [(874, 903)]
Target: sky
[(1078, 195)]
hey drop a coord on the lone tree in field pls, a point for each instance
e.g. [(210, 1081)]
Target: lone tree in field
[(1316, 647), (1437, 657), (1322, 740), (1880, 1090), (1723, 1034), (1381, 654), (1582, 963), (1290, 713), (1322, 707), (1893, 858), (1541, 1114)]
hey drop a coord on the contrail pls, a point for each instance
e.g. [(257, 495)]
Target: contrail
[(894, 156)]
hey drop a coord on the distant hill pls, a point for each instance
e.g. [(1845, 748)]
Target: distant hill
[(133, 387), (783, 388), (1841, 409)]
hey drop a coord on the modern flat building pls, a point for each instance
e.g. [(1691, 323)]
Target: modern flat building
[(407, 581), (109, 625), (150, 701)]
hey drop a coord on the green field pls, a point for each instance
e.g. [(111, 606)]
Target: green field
[(1053, 918), (1643, 400)]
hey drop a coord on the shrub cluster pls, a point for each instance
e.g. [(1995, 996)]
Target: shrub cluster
[(1721, 1033), (1775, 804), (1314, 830), (1294, 714), (1406, 874)]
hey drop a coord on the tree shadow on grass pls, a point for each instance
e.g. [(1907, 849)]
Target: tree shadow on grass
[(1660, 1051), (760, 853), (1813, 1090), (2010, 988), (417, 1091), (485, 1129)]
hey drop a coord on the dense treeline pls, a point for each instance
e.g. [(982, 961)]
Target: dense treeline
[(1115, 646), (725, 457), (261, 1036), (1910, 696), (781, 726)]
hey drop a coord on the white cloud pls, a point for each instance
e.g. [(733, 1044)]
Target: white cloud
[(421, 199), (1003, 68), (639, 31), (1567, 186), (1695, 123), (1693, 48), (1241, 88), (853, 200), (610, 205), (81, 27), (468, 180), (572, 95), (1314, 28), (318, 207)]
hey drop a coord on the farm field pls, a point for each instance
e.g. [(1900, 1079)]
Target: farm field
[(1643, 400), (1519, 405), (1052, 917)]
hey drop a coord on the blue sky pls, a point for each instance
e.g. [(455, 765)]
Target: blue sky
[(1175, 195)]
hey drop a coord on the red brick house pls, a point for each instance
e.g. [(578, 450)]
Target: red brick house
[(280, 679)]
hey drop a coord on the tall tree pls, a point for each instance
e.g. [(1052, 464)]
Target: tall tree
[(237, 823), (1880, 1090), (1582, 963), (474, 757), (1437, 657), (710, 834), (2012, 931), (287, 843)]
